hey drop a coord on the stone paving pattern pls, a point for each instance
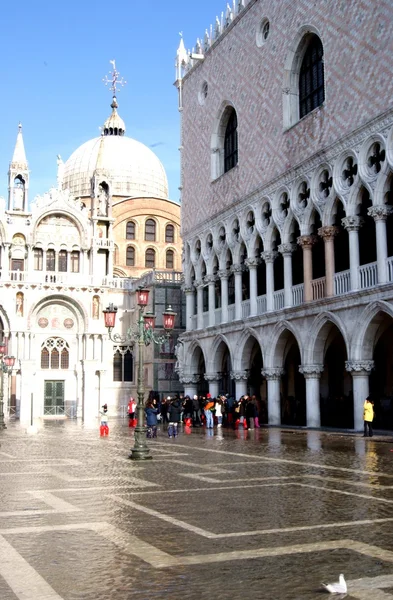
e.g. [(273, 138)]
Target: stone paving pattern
[(263, 514)]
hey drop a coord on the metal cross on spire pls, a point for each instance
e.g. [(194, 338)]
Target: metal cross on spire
[(115, 80)]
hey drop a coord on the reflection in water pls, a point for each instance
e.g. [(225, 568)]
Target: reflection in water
[(314, 441), (274, 438), (209, 432), (360, 446)]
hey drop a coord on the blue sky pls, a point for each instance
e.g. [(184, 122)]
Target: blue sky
[(54, 57)]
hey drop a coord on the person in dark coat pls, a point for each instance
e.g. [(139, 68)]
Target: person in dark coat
[(151, 413), (175, 410)]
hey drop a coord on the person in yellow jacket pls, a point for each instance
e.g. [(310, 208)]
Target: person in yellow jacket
[(368, 416)]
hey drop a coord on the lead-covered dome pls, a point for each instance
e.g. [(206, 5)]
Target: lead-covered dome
[(133, 169)]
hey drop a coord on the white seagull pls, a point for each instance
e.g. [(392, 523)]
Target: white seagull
[(340, 587)]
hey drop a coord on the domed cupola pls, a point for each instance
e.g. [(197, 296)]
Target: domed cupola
[(114, 125)]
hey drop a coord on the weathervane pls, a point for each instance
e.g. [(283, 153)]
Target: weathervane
[(114, 81)]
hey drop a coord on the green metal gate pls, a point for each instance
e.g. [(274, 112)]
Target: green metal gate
[(54, 398)]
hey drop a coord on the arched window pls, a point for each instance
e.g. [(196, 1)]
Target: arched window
[(75, 261), (50, 260), (170, 259), (130, 230), (230, 144), (38, 255), (122, 364), (150, 258), (311, 78), (170, 234), (150, 230), (54, 354), (63, 261), (130, 258)]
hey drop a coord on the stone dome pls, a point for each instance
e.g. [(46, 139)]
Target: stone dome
[(133, 169)]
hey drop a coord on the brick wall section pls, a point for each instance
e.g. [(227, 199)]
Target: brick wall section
[(357, 37)]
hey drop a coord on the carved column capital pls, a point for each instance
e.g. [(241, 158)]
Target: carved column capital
[(359, 366), (286, 249), (210, 279), (189, 379), (273, 374), (252, 262), (211, 377), (239, 375), (328, 233), (237, 269), (188, 289), (380, 212), (199, 284), (307, 241), (311, 371), (223, 274), (269, 256), (352, 223)]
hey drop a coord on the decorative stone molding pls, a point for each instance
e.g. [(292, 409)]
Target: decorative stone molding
[(353, 223), (359, 366), (199, 284), (273, 374), (188, 289), (189, 379), (311, 371), (209, 279), (286, 249), (307, 241), (328, 233), (211, 377), (239, 375), (223, 274), (269, 257), (380, 212), (252, 262), (237, 268)]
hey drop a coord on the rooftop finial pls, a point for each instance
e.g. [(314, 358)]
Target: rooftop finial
[(115, 80)]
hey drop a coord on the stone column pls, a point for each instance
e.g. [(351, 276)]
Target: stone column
[(240, 378), (273, 377), (224, 295), (90, 406), (190, 305), (28, 385), (199, 286), (211, 281), (237, 271), (312, 375), (269, 258), (190, 383), (214, 381), (307, 242), (252, 264), (286, 250), (352, 225), (328, 234), (360, 371), (380, 214)]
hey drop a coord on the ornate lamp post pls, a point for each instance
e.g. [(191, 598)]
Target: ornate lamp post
[(143, 334), (6, 364)]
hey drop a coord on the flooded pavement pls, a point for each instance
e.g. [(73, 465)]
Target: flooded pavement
[(263, 514)]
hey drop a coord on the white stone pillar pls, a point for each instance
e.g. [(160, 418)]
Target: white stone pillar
[(352, 225), (328, 234), (214, 381), (286, 250), (190, 306), (252, 264), (237, 271), (28, 385), (380, 214), (90, 402), (224, 295), (190, 383), (273, 377), (269, 258), (211, 281), (312, 374), (307, 242), (360, 371), (240, 378), (199, 286)]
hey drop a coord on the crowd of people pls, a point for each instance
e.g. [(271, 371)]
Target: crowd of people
[(200, 411)]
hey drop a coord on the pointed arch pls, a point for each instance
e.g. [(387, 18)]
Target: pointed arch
[(318, 335), (275, 347), (366, 329), (243, 349)]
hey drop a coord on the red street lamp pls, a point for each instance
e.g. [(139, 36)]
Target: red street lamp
[(169, 319), (150, 320), (110, 316), (3, 348), (9, 361), (142, 297)]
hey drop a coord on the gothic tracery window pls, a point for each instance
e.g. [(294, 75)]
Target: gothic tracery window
[(55, 354), (230, 143), (311, 78), (122, 364)]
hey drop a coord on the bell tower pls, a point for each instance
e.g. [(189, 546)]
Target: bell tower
[(18, 177)]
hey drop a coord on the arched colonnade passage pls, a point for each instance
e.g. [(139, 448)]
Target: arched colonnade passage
[(314, 376)]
